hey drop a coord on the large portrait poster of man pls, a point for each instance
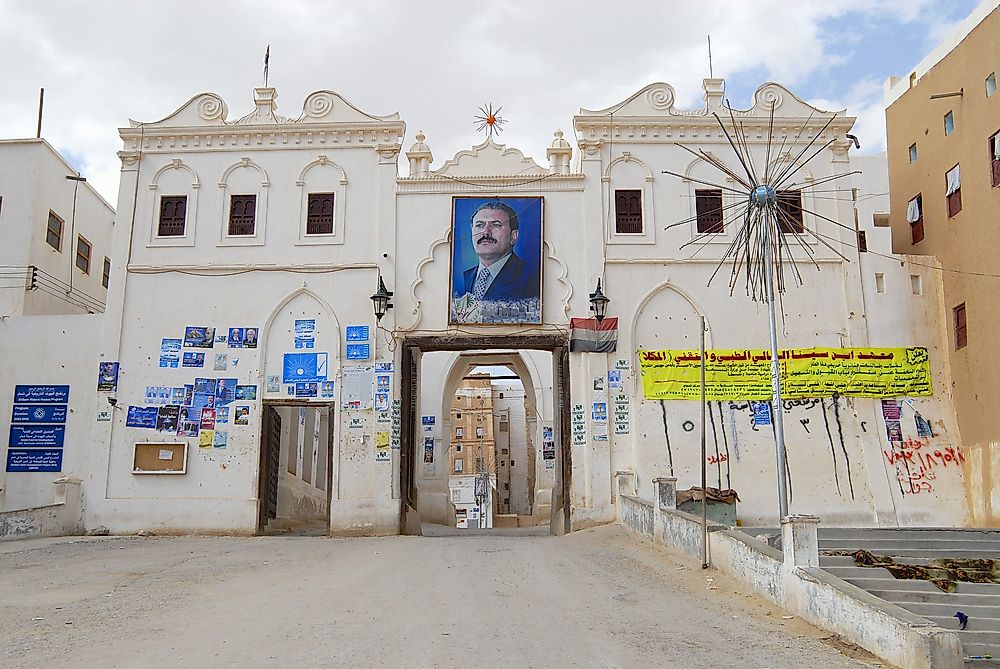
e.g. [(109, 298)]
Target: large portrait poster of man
[(496, 260)]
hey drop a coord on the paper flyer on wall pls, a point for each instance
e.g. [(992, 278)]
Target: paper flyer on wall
[(356, 387)]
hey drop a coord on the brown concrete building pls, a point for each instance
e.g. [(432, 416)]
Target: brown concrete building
[(473, 444), (942, 124)]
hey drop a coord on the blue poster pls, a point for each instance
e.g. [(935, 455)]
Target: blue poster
[(37, 435), (41, 394), (34, 460), (761, 413), (193, 359), (170, 352), (306, 389), (359, 351), (358, 333), (305, 333), (304, 367), (141, 417), (26, 413), (199, 337), (107, 377), (225, 391)]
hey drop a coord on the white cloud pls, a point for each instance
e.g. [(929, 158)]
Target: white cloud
[(103, 62)]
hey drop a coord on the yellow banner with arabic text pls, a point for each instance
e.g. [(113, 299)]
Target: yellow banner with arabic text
[(804, 372)]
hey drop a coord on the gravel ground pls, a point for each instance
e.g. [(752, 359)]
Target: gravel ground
[(595, 598)]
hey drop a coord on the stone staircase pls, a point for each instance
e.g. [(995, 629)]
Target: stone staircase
[(918, 546)]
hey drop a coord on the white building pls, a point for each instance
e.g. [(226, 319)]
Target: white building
[(56, 251), (284, 226)]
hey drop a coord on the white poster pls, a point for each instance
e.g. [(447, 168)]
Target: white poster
[(356, 387)]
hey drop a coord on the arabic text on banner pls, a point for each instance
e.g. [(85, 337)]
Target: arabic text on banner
[(805, 372)]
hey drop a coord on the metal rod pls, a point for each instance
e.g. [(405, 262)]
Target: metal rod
[(779, 430), (41, 103), (704, 472)]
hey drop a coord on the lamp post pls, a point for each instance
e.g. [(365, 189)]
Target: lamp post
[(599, 302)]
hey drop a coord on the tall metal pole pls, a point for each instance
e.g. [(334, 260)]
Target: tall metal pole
[(41, 104), (779, 429), (704, 472)]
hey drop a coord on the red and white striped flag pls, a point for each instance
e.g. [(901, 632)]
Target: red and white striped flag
[(589, 336)]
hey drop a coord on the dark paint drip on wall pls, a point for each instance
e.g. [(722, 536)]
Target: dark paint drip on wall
[(715, 438), (666, 435), (843, 446), (833, 450), (725, 443)]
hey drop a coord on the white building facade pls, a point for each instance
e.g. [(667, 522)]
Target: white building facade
[(283, 227)]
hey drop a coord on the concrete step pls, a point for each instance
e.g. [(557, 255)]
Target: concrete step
[(907, 533), (903, 551), (879, 544), (920, 585), (933, 596), (977, 613)]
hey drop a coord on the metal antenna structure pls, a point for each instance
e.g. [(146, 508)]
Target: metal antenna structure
[(767, 210), (490, 120)]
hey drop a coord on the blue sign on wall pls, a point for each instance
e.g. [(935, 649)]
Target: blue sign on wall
[(358, 333), (35, 436), (41, 394), (28, 413), (141, 417), (761, 413), (34, 460), (359, 351), (304, 367)]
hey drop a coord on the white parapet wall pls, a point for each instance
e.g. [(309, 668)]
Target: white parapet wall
[(791, 579)]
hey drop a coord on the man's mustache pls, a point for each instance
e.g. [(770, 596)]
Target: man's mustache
[(486, 238)]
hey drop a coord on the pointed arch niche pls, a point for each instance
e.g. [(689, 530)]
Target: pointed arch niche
[(628, 173), (322, 176), (176, 178), (278, 338), (244, 178)]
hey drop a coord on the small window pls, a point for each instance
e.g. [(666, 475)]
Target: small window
[(511, 463), (480, 464), (479, 433), (991, 84), (879, 283), (242, 215), (708, 207), (458, 432), (106, 276), (458, 415), (961, 331), (995, 159), (173, 210), (458, 448), (506, 485), (458, 464), (790, 211), (915, 217), (949, 123), (862, 241), (916, 284), (628, 212), (54, 231), (503, 463), (320, 217), (501, 395), (953, 190), (913, 152), (504, 451), (83, 250), (913, 79)]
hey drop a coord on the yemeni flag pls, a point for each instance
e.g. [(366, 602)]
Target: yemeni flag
[(589, 336)]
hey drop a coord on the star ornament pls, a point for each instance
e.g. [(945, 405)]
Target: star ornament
[(490, 120)]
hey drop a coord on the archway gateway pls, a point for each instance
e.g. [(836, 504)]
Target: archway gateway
[(414, 347)]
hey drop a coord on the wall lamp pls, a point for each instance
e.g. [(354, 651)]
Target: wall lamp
[(380, 300), (599, 303)]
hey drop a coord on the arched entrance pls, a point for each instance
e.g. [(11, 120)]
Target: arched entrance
[(499, 350)]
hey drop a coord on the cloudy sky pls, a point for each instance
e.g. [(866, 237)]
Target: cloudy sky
[(103, 62)]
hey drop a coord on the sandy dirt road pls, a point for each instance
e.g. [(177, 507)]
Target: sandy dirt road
[(595, 598)]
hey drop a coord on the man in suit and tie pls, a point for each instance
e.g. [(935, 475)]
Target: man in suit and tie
[(500, 275)]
